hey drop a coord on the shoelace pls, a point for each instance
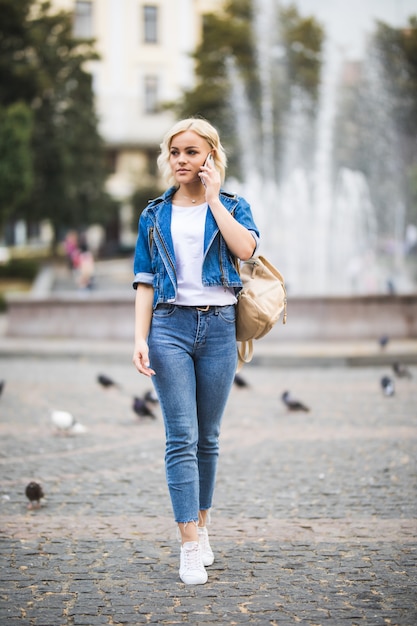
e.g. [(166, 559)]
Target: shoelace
[(192, 557), (204, 540)]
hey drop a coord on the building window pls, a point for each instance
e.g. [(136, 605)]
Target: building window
[(151, 94), (150, 23), (111, 157), (151, 159), (83, 20)]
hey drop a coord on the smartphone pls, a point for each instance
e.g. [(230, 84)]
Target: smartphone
[(209, 159)]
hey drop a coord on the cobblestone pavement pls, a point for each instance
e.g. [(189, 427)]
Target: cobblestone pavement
[(314, 519)]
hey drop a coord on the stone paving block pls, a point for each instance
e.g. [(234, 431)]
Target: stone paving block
[(129, 618), (43, 615), (9, 612), (89, 620), (162, 620)]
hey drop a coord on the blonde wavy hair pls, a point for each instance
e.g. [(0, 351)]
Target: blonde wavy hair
[(202, 128)]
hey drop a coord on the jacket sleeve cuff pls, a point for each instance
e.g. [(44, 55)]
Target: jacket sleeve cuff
[(142, 277)]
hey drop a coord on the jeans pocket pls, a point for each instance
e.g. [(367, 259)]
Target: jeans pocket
[(228, 313), (164, 310)]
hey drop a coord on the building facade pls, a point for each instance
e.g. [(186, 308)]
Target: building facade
[(145, 48)]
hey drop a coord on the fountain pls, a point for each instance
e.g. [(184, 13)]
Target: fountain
[(318, 225)]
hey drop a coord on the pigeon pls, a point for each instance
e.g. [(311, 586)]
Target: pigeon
[(34, 493), (151, 397), (106, 381), (292, 404), (388, 386), (66, 423), (141, 408), (239, 381), (2, 383), (401, 370), (383, 341)]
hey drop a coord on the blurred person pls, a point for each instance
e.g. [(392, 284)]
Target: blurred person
[(94, 237), (71, 249), (85, 267), (186, 279)]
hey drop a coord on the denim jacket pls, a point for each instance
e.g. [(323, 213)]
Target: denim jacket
[(154, 261)]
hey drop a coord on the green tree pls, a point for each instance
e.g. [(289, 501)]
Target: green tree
[(397, 49), (140, 199), (303, 40), (18, 80), (67, 150), (377, 122), (16, 167), (227, 35), (229, 39)]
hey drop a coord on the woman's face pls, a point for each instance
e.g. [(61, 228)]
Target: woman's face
[(188, 152)]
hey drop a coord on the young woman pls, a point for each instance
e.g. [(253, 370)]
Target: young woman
[(187, 284)]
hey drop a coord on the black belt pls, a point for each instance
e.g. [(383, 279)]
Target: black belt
[(203, 309)]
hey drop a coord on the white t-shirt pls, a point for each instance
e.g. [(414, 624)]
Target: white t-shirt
[(187, 229)]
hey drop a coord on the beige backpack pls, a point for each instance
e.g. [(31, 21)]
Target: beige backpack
[(260, 303)]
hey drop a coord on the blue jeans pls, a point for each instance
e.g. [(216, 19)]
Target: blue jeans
[(194, 357)]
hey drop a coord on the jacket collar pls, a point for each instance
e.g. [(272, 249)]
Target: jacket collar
[(167, 197), (161, 208)]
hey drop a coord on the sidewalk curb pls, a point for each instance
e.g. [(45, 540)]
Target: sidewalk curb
[(266, 354)]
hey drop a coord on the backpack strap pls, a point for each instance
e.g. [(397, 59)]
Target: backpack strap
[(245, 351)]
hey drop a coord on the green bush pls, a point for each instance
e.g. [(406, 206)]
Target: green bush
[(24, 269)]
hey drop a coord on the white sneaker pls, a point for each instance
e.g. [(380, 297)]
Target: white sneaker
[(192, 570), (207, 555)]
